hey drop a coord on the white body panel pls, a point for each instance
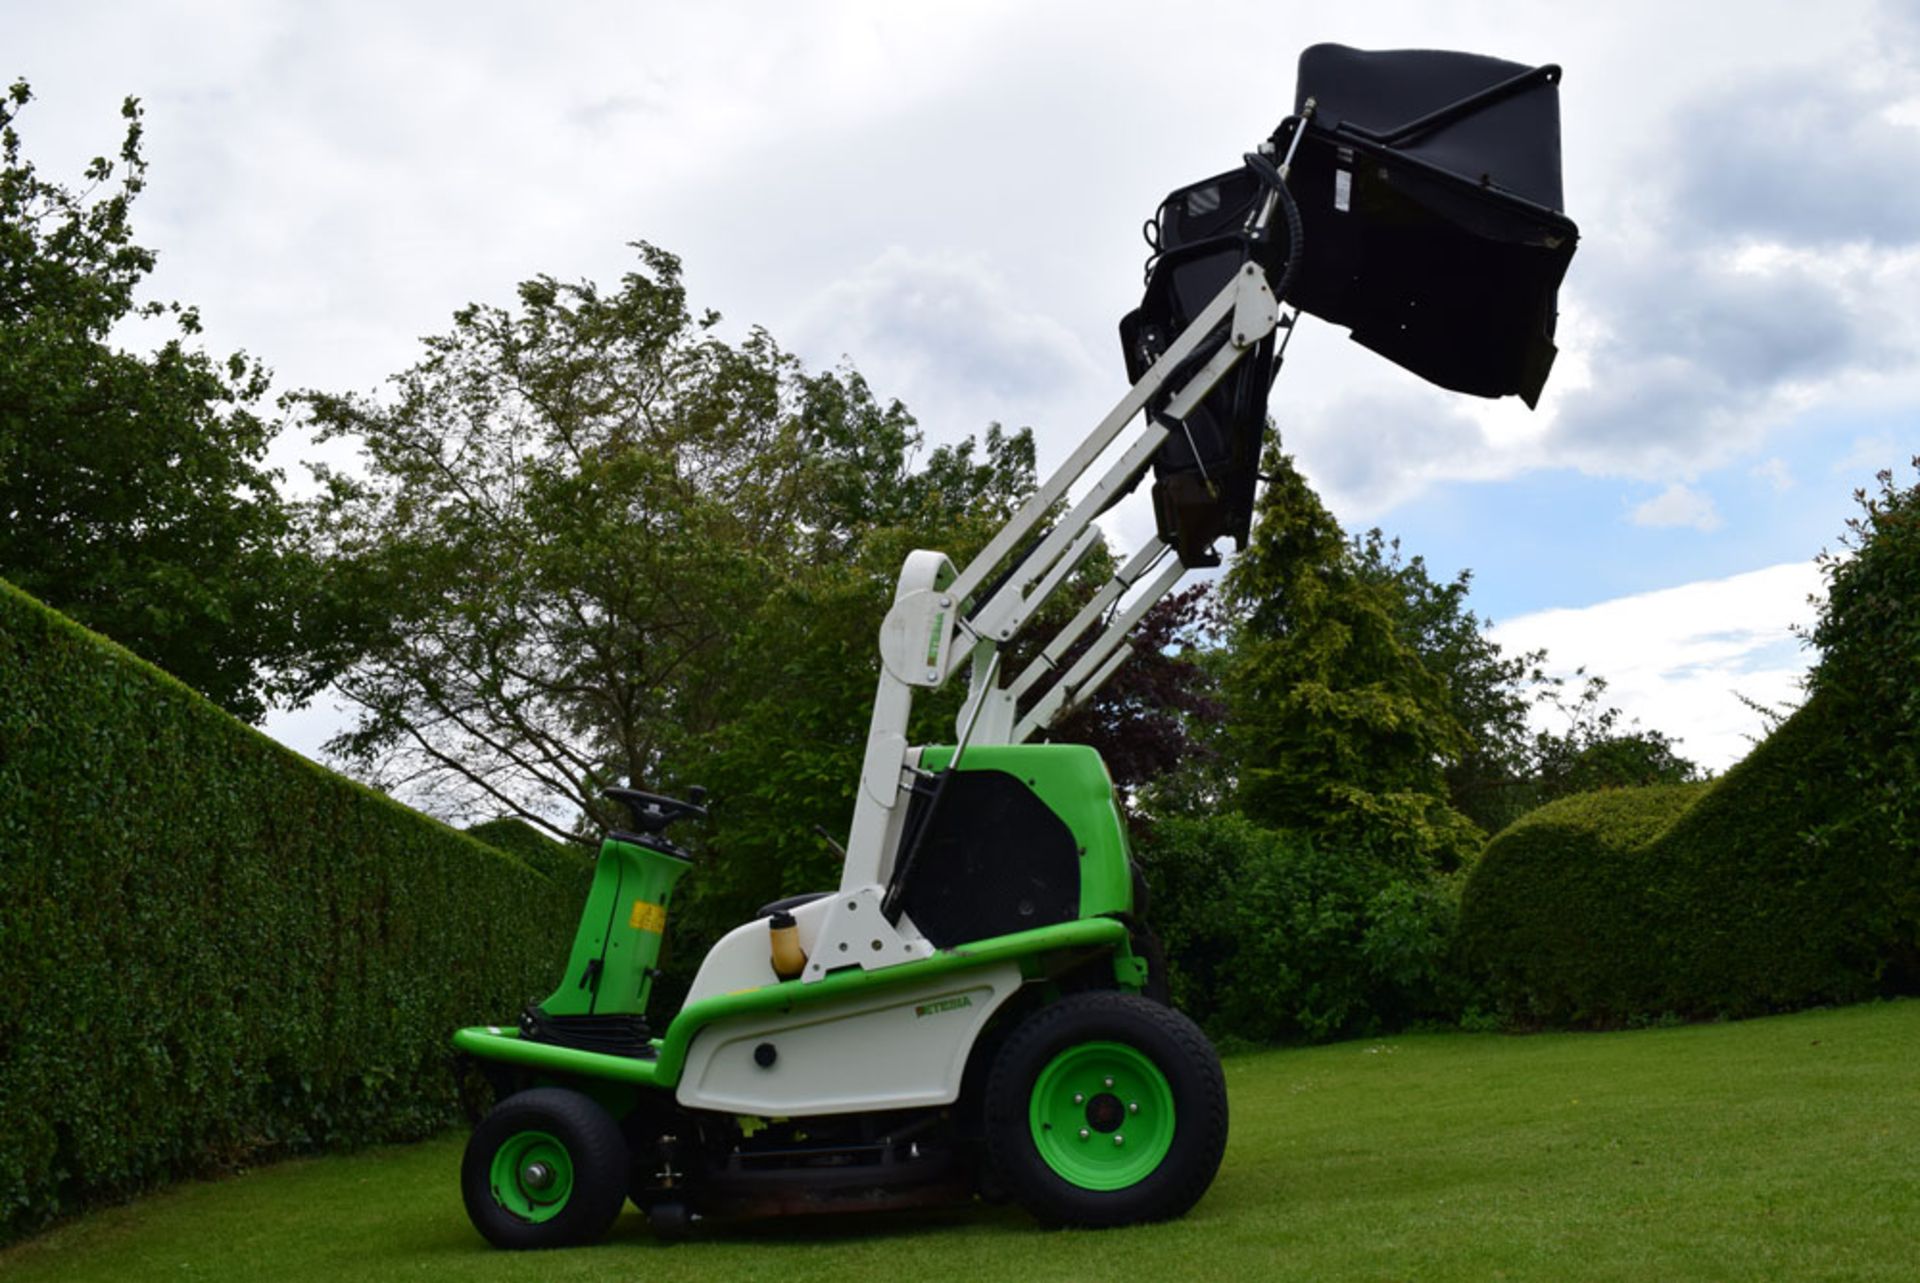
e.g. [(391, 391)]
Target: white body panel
[(900, 1047), (743, 958), (836, 931), (855, 933)]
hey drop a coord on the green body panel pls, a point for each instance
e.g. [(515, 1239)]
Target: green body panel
[(620, 927), (1073, 782), (505, 1043)]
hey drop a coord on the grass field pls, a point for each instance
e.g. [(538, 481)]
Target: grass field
[(1786, 1148)]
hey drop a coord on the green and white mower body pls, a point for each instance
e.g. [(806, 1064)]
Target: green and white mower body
[(848, 1086), (978, 1007)]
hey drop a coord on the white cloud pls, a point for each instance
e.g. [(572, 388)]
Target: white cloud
[(1678, 505), (1378, 445), (1775, 473), (1708, 348), (949, 335), (1874, 452), (306, 730), (1674, 659)]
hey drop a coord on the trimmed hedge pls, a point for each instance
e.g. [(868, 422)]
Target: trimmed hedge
[(1758, 892), (212, 950), (562, 862)]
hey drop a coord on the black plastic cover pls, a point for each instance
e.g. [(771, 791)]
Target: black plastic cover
[(1205, 473), (1509, 141), (996, 860)]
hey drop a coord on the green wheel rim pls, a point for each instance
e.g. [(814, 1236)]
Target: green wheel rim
[(532, 1176), (1102, 1115)]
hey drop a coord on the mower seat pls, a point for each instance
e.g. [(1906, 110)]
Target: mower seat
[(791, 903)]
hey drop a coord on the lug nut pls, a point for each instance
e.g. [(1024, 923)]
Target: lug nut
[(1079, 1098), (1133, 1107), (1109, 1082), (1118, 1140), (1084, 1133)]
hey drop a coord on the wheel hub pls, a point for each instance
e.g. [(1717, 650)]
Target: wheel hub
[(1105, 1113), (1080, 1102), (532, 1176)]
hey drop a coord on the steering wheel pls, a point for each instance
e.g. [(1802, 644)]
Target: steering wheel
[(652, 812)]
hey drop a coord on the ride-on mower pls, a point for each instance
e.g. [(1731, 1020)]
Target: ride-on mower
[(979, 1007)]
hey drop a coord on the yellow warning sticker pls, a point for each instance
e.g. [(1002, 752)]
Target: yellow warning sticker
[(647, 917)]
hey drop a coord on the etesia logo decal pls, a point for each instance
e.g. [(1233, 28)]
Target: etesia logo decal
[(944, 1004)]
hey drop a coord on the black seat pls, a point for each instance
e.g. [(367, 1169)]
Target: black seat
[(791, 903)]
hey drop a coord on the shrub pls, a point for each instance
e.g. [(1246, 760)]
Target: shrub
[(1794, 879), (1272, 936), (1756, 893), (212, 949), (1552, 917)]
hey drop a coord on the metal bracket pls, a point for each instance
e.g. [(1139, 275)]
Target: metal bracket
[(1255, 310), (857, 934)]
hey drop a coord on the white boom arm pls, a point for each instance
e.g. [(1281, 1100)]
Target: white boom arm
[(936, 625)]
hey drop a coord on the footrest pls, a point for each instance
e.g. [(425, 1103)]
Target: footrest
[(605, 1035)]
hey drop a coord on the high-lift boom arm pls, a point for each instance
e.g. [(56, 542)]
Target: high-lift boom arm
[(1432, 203), (936, 626)]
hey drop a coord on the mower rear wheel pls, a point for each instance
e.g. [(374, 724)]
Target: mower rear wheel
[(1106, 1109), (545, 1168)]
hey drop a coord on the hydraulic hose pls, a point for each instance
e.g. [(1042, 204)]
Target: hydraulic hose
[(1264, 170)]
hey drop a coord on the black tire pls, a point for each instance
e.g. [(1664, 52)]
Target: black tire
[(1073, 1035), (558, 1130)]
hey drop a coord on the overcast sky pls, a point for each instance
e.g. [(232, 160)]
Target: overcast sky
[(949, 197)]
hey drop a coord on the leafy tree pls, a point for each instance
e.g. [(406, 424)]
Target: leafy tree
[(1276, 936), (598, 543), (1597, 750), (133, 490), (1339, 727), (785, 766), (1868, 633), (1486, 689), (1509, 765), (1154, 721), (1360, 685)]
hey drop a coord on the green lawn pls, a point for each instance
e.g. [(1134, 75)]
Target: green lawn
[(1785, 1148)]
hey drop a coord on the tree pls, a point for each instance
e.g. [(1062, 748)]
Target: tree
[(599, 544), (1597, 750), (1868, 633), (1153, 721), (1339, 727), (133, 490), (1509, 765), (1360, 686), (1487, 690), (785, 766)]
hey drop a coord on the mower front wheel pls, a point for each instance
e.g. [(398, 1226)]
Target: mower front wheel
[(545, 1168), (1106, 1109)]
